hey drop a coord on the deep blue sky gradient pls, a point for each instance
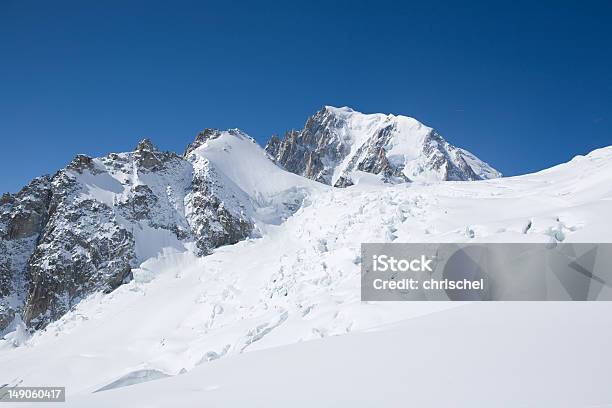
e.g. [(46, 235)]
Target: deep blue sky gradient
[(523, 85)]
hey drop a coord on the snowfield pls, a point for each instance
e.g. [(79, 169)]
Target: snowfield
[(519, 354), (185, 321)]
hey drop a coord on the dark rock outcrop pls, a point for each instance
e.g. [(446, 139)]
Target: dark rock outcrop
[(312, 151), (23, 217)]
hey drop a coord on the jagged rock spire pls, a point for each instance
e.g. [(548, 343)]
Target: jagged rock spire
[(6, 198), (201, 138), (81, 162), (146, 145), (149, 157)]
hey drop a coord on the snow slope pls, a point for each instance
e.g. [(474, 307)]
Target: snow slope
[(300, 281), (244, 172), (519, 354)]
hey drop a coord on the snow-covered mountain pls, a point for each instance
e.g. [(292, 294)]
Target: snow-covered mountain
[(87, 227), (338, 145), (144, 265)]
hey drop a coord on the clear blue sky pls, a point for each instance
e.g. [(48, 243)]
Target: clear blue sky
[(523, 85)]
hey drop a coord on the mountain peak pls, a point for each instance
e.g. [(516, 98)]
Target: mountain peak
[(340, 110), (337, 144), (361, 119), (207, 134), (210, 134), (150, 158), (146, 145), (80, 163)]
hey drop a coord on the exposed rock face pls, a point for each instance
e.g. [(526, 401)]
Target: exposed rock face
[(22, 219), (80, 163), (83, 249), (315, 151), (212, 221), (85, 229), (87, 242), (216, 213), (337, 144), (371, 157), (148, 157)]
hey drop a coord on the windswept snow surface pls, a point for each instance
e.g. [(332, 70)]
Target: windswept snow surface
[(516, 354), (238, 157), (300, 281)]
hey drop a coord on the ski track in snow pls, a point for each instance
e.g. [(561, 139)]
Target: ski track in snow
[(301, 280)]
